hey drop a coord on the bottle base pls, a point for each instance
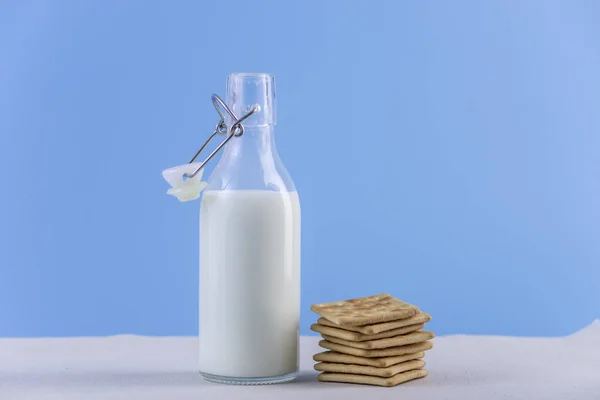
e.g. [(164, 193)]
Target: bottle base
[(270, 380)]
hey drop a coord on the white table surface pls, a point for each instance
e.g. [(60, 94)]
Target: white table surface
[(460, 367)]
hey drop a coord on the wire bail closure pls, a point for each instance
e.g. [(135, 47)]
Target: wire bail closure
[(236, 129)]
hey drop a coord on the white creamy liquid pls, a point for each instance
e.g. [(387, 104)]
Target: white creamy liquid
[(249, 283)]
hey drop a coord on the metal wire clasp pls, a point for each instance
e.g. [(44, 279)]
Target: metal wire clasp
[(236, 129)]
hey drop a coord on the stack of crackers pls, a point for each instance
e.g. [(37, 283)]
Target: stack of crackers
[(375, 340)]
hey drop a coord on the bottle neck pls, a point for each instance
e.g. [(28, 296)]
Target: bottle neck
[(251, 162), (254, 150), (256, 141)]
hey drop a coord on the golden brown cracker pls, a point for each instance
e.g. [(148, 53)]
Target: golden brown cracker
[(372, 371), (400, 340), (372, 380), (365, 310), (380, 362), (359, 337), (374, 329), (389, 352)]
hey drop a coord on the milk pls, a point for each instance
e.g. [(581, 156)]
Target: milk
[(249, 283)]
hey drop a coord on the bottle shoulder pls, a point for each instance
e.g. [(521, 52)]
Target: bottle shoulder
[(262, 176), (236, 201)]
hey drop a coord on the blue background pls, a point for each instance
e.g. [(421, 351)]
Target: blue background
[(445, 152)]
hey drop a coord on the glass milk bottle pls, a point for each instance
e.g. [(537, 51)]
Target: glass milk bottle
[(250, 250)]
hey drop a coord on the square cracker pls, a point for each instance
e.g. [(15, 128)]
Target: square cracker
[(372, 380), (381, 362), (392, 351), (371, 371), (365, 310), (400, 340), (359, 337), (373, 329)]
